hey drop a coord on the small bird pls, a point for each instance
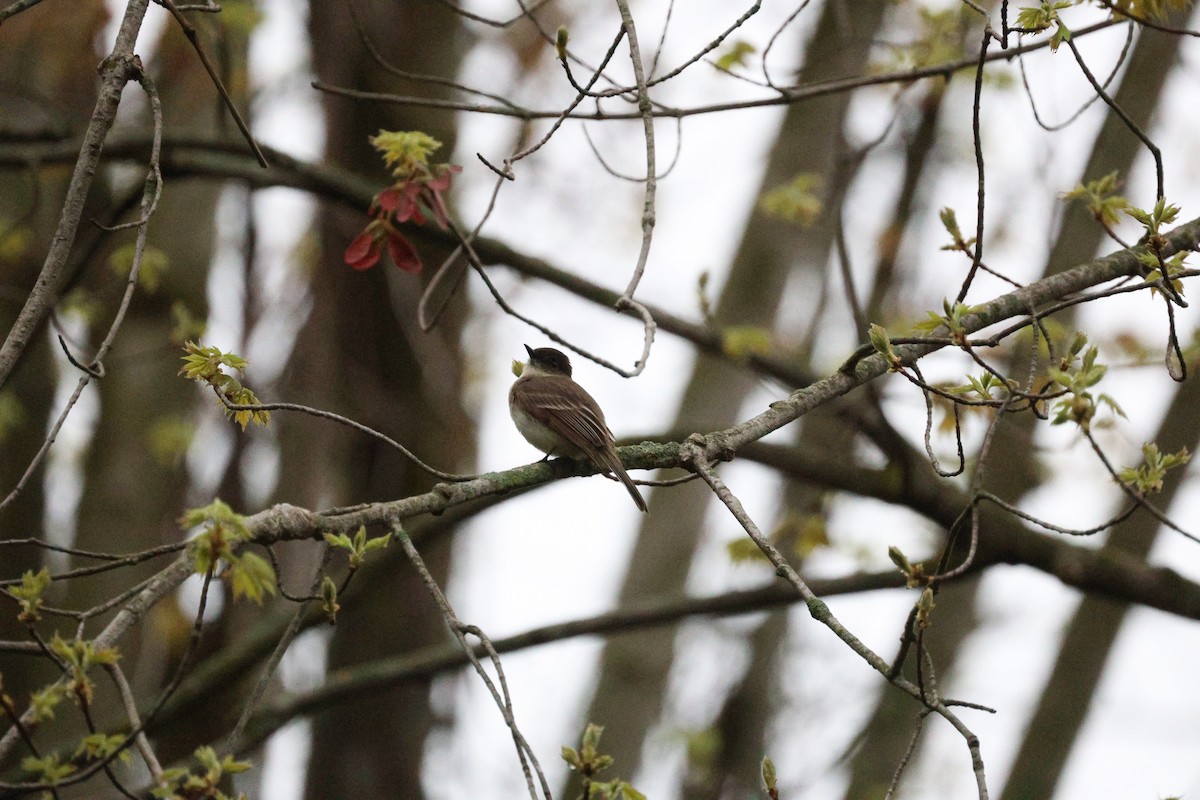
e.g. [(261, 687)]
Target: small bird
[(557, 416)]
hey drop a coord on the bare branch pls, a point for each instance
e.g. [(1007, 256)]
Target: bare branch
[(121, 66)]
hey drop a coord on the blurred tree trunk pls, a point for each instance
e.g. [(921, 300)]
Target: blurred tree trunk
[(54, 55), (362, 354), (634, 668), (1062, 709)]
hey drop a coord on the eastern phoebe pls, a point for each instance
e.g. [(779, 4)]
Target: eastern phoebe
[(558, 417)]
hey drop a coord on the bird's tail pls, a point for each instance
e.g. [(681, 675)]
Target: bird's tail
[(613, 462)]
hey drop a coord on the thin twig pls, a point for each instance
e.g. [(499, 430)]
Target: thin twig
[(1086, 105), (1134, 128), (190, 32), (783, 97), (977, 139), (528, 758), (349, 423), (131, 714), (648, 202), (526, 13), (281, 647), (1141, 20)]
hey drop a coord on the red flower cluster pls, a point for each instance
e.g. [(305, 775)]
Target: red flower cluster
[(409, 199)]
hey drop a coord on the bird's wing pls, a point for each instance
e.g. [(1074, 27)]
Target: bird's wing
[(566, 408)]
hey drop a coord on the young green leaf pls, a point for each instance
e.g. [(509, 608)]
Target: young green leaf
[(735, 55)]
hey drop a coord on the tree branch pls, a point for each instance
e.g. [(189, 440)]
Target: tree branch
[(121, 66)]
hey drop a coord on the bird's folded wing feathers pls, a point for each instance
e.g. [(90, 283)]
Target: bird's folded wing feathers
[(571, 413)]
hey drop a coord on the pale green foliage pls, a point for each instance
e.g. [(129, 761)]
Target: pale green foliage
[(249, 574), (735, 55), (938, 41), (562, 38), (925, 606), (99, 746), (1164, 268), (240, 17), (14, 241), (29, 593), (882, 343), (84, 305), (804, 533), (207, 365), (1077, 374), (358, 547), (703, 746), (982, 387), (43, 702), (179, 783), (1099, 197), (588, 760), (406, 153), (808, 532), (614, 790), (1148, 477), (743, 549), (223, 527), (741, 342), (952, 319), (1158, 267), (78, 656), (184, 324), (1038, 18), (796, 201), (154, 264), (169, 438), (47, 769), (899, 559), (329, 597), (950, 223), (767, 770), (1155, 219), (914, 574)]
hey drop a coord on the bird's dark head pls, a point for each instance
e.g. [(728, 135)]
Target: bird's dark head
[(548, 359)]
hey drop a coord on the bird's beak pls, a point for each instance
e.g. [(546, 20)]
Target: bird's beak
[(529, 350)]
